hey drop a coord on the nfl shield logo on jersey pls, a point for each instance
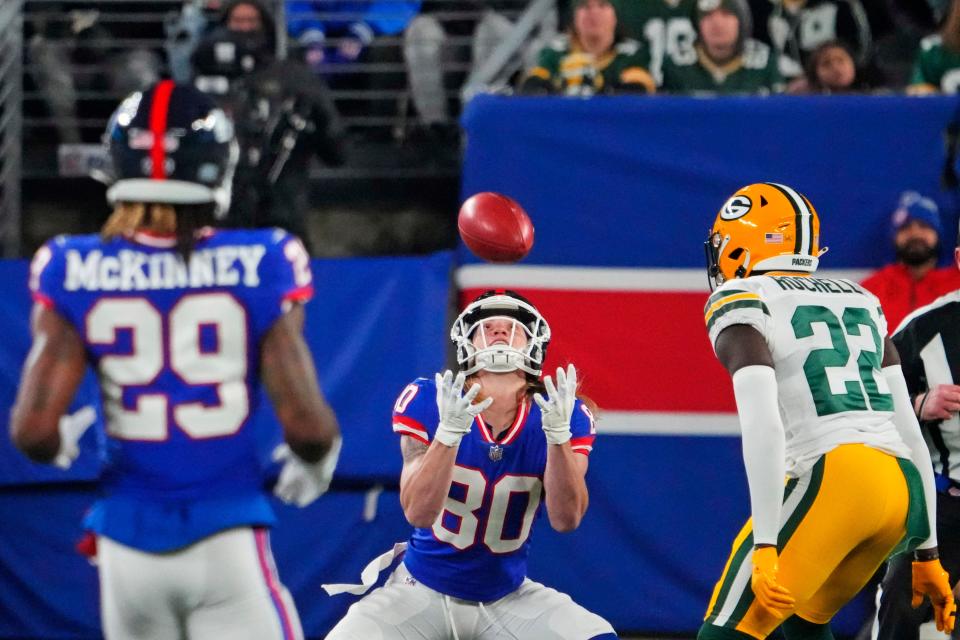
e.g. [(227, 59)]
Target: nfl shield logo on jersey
[(496, 452)]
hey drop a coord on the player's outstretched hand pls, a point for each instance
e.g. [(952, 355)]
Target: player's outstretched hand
[(770, 594), (72, 428), (930, 579), (456, 411), (302, 482), (941, 402), (557, 407)]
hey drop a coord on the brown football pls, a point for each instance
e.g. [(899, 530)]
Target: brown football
[(495, 227)]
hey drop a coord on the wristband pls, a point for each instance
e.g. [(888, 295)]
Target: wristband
[(926, 555), (922, 402)]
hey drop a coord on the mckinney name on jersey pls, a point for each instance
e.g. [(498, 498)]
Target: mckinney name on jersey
[(176, 343), (134, 270)]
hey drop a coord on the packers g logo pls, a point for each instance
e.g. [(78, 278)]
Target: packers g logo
[(736, 207)]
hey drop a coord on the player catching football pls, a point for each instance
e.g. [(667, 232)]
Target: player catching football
[(823, 402), (477, 466), (183, 323)]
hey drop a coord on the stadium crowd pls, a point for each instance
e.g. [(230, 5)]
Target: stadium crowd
[(603, 46), (228, 57)]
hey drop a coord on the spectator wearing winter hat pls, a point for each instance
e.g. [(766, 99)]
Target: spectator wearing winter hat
[(914, 279), (591, 58), (725, 59)]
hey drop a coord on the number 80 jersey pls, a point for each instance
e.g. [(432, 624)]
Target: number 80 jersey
[(176, 346), (826, 337), (477, 548)]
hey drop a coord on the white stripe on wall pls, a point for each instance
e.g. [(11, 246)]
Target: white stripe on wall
[(667, 423), (493, 276)]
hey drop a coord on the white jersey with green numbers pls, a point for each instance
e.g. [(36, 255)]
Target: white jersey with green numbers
[(826, 337)]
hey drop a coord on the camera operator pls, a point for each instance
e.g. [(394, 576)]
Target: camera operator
[(282, 112)]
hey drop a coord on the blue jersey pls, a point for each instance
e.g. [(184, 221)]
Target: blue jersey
[(477, 549), (176, 346)]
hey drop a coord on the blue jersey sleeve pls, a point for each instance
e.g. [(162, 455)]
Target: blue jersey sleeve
[(47, 273), (583, 428), (284, 277), (415, 412)]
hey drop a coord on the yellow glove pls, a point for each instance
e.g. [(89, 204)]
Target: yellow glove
[(771, 595), (929, 579)]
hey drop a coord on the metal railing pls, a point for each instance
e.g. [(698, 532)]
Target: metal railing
[(11, 143), (77, 49), (494, 72)]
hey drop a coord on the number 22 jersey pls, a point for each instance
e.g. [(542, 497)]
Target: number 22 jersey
[(176, 346), (477, 549), (826, 337)]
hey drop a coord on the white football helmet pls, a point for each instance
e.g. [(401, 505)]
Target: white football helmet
[(500, 356)]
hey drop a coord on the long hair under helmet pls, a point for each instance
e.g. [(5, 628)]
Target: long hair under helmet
[(501, 358)]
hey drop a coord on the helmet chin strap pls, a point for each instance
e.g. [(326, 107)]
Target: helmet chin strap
[(743, 268)]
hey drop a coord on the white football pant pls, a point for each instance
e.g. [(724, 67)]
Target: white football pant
[(404, 609), (224, 586)]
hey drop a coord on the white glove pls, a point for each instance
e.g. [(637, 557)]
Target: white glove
[(557, 408), (301, 482), (456, 412), (72, 428)]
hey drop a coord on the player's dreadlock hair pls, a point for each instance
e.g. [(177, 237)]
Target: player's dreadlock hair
[(182, 220), (172, 154)]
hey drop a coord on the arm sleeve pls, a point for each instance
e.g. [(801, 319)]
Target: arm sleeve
[(921, 73), (539, 79), (774, 75), (853, 27), (755, 389), (47, 271), (583, 429), (909, 429), (287, 270), (285, 278), (911, 363), (635, 76), (415, 412)]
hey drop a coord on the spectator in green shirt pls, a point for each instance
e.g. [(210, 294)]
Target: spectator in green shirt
[(937, 67), (591, 58), (725, 59), (665, 27)]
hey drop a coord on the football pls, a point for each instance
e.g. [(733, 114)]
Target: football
[(495, 227)]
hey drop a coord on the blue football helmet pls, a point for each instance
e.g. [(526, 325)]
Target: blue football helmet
[(170, 144)]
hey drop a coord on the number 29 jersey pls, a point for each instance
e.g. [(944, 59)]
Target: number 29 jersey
[(826, 339), (176, 347), (477, 549)]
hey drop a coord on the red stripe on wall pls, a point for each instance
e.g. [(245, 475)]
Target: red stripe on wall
[(158, 127), (634, 350)]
